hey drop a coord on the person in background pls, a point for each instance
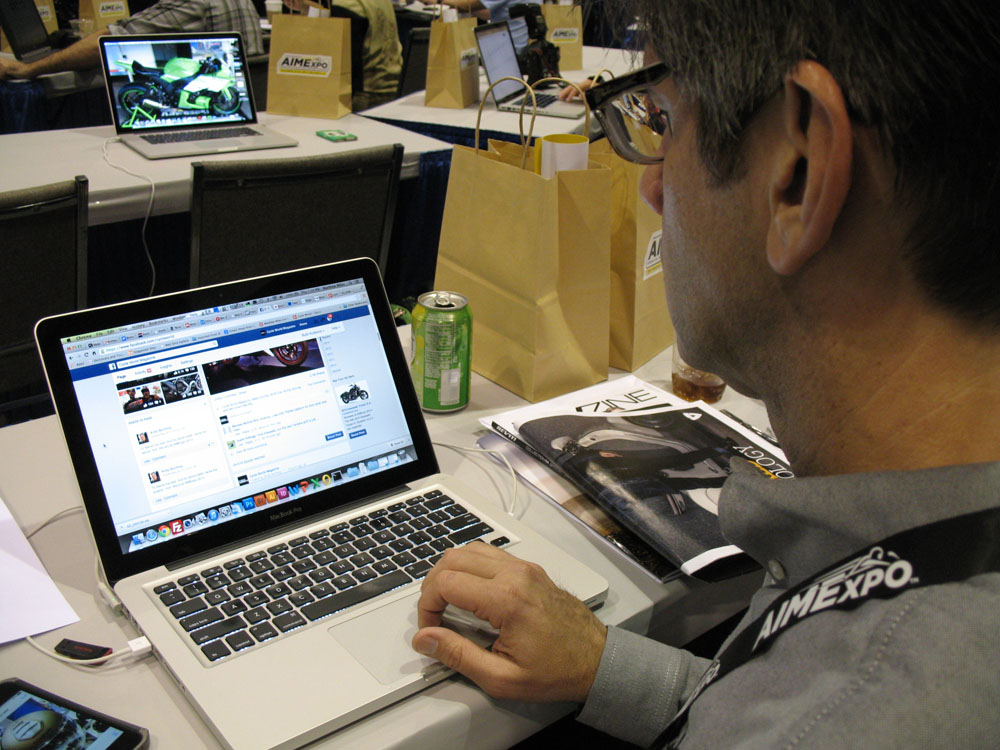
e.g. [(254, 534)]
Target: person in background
[(162, 17), (493, 11), (382, 53), (829, 181)]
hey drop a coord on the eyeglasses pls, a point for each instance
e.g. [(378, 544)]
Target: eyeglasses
[(626, 108)]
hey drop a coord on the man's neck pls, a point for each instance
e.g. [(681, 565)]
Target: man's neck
[(921, 402)]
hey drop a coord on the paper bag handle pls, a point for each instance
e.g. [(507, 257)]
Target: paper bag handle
[(586, 106), (520, 121), (534, 111)]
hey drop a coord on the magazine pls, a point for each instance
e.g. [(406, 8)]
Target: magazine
[(654, 463), (581, 509)]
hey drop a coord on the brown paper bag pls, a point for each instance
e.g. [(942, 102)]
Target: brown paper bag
[(103, 12), (47, 11), (309, 67), (640, 323), (452, 65), (565, 30), (531, 254)]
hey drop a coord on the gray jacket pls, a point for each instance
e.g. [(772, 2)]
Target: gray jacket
[(921, 670)]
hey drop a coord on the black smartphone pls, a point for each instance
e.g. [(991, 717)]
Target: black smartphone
[(35, 719)]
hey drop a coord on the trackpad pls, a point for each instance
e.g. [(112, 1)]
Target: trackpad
[(380, 640)]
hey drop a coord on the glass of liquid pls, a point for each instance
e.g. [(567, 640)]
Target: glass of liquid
[(694, 385)]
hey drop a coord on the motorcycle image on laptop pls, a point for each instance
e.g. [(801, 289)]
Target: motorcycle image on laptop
[(183, 83), (353, 393)]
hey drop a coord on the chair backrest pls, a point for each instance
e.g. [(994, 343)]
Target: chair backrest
[(262, 216), (413, 77), (43, 233), (257, 68)]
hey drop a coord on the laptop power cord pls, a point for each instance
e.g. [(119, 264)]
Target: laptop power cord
[(510, 509), (149, 207), (77, 653)]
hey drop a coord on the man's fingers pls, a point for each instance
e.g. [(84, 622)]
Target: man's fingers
[(465, 590), (478, 578), (476, 560), (488, 670)]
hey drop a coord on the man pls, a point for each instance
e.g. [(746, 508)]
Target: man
[(165, 16), (829, 180), (494, 11)]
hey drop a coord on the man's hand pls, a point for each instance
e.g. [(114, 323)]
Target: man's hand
[(570, 93), (12, 69), (550, 643)]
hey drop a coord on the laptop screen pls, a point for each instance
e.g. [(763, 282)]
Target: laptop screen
[(499, 59), (174, 81), (23, 26), (205, 418)]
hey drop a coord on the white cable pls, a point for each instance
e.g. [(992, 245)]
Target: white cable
[(513, 475), (103, 587), (149, 208), (138, 648), (61, 514)]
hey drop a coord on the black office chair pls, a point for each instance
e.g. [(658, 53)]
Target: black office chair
[(43, 232), (257, 73), (250, 218), (413, 76)]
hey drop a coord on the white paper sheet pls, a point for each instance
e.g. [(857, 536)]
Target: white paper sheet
[(30, 602)]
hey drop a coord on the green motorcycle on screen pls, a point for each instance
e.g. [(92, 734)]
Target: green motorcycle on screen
[(206, 85)]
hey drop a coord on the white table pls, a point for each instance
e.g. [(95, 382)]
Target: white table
[(31, 159), (411, 108), (37, 481)]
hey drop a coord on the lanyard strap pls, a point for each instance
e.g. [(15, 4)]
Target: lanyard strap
[(950, 550)]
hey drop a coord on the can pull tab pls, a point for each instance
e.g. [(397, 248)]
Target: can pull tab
[(442, 301)]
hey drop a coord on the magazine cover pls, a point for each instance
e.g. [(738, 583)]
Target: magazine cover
[(581, 508), (659, 472)]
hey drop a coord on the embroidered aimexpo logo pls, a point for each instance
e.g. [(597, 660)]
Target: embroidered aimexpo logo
[(862, 577)]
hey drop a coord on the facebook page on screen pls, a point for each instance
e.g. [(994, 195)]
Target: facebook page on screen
[(197, 419)]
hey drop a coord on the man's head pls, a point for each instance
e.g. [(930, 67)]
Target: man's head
[(924, 77), (829, 180)]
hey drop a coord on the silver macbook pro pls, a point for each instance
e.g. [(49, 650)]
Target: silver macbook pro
[(496, 50), (183, 95), (264, 495)]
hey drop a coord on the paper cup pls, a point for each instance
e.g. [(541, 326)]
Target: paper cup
[(561, 151), (449, 14)]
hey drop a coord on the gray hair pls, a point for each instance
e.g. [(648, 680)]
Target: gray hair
[(925, 76)]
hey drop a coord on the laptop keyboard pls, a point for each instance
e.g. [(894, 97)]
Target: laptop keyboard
[(544, 100), (199, 135), (249, 600)]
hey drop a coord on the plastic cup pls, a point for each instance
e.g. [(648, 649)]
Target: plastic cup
[(692, 384)]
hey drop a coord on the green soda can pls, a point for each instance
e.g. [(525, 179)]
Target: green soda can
[(441, 351)]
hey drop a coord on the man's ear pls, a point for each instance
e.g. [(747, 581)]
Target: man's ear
[(810, 184)]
